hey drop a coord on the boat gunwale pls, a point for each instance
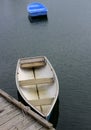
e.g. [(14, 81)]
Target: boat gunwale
[(56, 80)]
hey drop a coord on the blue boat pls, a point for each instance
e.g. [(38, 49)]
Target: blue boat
[(36, 9)]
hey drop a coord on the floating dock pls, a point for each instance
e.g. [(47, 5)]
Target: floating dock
[(15, 116)]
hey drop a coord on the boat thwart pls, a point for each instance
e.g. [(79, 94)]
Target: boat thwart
[(37, 83)]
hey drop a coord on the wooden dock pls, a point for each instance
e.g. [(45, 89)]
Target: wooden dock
[(15, 116)]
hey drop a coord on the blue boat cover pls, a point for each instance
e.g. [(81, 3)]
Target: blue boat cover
[(36, 9)]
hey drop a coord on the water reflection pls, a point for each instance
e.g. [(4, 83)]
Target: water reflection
[(38, 19), (55, 114), (21, 99)]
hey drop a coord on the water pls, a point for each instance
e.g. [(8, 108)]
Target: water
[(65, 38)]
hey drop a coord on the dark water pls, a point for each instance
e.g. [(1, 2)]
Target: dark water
[(65, 38)]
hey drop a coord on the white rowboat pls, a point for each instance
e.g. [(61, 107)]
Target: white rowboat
[(37, 84)]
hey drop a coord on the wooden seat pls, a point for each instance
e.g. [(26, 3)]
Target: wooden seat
[(39, 102), (32, 63), (28, 82)]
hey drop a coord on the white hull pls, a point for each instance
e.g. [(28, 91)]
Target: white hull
[(38, 86)]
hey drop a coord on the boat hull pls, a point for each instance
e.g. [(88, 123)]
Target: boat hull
[(38, 85), (36, 9)]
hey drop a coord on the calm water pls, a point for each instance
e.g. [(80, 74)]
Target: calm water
[(65, 38)]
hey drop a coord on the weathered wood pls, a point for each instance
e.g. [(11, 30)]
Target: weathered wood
[(36, 126), (9, 116), (26, 83), (27, 110), (22, 125), (6, 110), (32, 63), (42, 128), (45, 128), (4, 105), (9, 124), (2, 99), (46, 101)]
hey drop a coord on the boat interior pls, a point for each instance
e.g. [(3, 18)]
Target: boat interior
[(37, 83)]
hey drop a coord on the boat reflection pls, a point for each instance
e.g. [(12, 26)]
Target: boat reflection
[(55, 114), (37, 19)]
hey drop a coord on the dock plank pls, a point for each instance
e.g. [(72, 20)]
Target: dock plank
[(15, 116), (3, 105), (42, 128), (22, 125), (8, 116), (7, 110), (11, 123), (26, 122), (35, 126), (2, 99), (46, 129)]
